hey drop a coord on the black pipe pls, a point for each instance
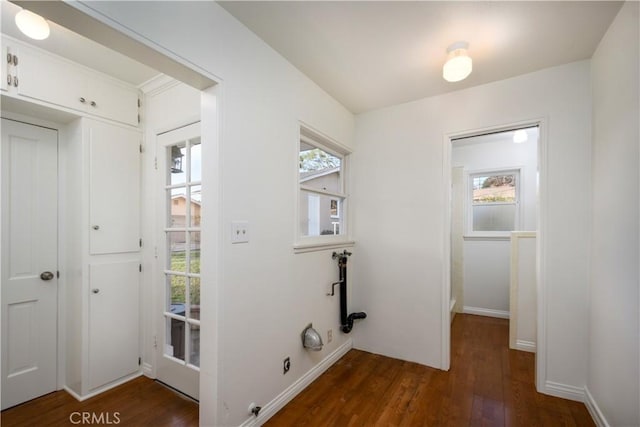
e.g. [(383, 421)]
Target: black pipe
[(346, 321)]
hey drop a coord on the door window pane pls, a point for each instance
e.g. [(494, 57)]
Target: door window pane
[(194, 345), (176, 164), (177, 201), (177, 242), (175, 338), (196, 160), (194, 253), (194, 295), (176, 287), (196, 200)]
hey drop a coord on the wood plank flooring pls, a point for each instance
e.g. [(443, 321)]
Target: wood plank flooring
[(487, 385), (140, 402)]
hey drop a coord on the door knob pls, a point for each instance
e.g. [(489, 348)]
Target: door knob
[(47, 275), (96, 227), (95, 290)]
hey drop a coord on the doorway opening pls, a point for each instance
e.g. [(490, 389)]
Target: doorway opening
[(493, 221)]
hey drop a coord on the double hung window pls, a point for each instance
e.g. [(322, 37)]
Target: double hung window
[(322, 196), (494, 200)]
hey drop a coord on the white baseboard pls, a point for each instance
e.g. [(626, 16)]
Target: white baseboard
[(102, 389), (485, 312), (523, 345), (271, 408), (564, 391), (594, 410), (147, 370)]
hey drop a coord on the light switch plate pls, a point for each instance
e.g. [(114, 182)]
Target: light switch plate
[(240, 232)]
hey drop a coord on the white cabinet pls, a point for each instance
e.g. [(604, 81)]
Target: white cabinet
[(114, 189), (102, 179), (114, 332), (53, 80)]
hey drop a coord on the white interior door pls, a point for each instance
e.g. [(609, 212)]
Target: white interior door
[(179, 167), (29, 261)]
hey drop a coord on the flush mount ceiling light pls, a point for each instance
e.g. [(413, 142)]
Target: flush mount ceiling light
[(459, 64), (32, 25), (520, 136)]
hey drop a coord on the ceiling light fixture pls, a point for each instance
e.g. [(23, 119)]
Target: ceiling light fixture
[(32, 25), (520, 136), (459, 64)]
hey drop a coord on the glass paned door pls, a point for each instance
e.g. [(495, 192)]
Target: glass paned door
[(180, 164)]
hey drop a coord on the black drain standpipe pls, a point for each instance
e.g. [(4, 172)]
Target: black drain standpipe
[(346, 321)]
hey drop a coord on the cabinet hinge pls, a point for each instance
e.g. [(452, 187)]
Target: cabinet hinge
[(138, 118), (58, 274), (140, 268), (139, 103), (155, 163), (139, 361), (140, 242), (141, 148)]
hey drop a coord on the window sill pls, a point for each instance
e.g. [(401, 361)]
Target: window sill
[(302, 248), (485, 238)]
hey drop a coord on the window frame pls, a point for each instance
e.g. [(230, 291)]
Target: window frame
[(311, 243), (469, 204)]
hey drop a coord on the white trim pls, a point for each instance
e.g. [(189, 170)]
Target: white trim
[(486, 238), (514, 286), (542, 123), (594, 409), (314, 247), (271, 408), (157, 84), (523, 345), (445, 316), (541, 242), (147, 370), (564, 391), (102, 389), (485, 312)]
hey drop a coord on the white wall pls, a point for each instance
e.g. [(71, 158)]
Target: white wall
[(401, 261), (267, 293), (487, 288), (613, 376)]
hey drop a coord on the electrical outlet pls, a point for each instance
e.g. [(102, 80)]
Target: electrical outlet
[(329, 336), (286, 365)]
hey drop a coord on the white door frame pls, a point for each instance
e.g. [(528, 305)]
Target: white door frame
[(541, 211)]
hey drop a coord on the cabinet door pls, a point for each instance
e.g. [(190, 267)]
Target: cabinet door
[(48, 79), (5, 68), (114, 188), (112, 101), (114, 330)]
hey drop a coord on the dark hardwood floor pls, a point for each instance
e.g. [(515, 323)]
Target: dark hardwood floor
[(487, 385), (140, 402)]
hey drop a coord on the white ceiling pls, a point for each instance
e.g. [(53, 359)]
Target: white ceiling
[(74, 47), (372, 54)]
